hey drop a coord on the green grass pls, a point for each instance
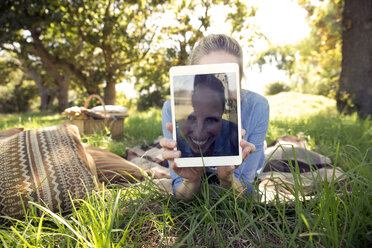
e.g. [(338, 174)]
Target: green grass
[(30, 120), (143, 128), (145, 217)]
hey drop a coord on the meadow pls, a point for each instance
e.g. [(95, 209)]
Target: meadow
[(143, 216)]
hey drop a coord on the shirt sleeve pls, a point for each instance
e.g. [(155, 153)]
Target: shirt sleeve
[(166, 117), (256, 129)]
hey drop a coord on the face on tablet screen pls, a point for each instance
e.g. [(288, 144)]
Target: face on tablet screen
[(206, 114)]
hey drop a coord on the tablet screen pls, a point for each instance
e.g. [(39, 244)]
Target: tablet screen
[(206, 114)]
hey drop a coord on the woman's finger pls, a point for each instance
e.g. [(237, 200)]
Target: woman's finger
[(243, 133), (169, 127), (168, 143), (244, 144), (248, 148), (253, 147), (175, 168), (224, 172), (171, 154)]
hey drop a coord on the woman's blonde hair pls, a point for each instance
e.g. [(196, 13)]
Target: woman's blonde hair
[(217, 42)]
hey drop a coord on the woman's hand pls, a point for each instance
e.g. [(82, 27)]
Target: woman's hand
[(169, 144), (225, 173), (191, 175), (247, 148)]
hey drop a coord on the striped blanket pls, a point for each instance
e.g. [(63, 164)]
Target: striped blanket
[(288, 162)]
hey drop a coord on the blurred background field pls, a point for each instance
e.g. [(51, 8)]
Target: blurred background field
[(297, 105)]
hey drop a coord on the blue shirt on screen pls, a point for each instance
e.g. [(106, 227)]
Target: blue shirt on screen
[(255, 120), (225, 144)]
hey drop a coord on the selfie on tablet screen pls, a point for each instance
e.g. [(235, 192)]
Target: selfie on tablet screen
[(206, 114)]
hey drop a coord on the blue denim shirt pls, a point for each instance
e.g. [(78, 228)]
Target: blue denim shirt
[(255, 120)]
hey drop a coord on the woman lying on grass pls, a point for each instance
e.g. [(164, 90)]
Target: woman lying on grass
[(186, 181)]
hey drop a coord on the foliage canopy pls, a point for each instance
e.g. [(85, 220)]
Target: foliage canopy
[(89, 46)]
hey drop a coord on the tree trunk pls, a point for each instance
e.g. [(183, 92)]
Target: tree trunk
[(47, 96), (18, 105), (59, 70), (46, 93), (110, 92), (355, 89), (63, 85)]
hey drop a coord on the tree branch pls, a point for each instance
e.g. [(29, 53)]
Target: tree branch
[(51, 60), (142, 56)]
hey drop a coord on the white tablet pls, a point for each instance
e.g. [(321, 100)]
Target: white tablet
[(205, 102)]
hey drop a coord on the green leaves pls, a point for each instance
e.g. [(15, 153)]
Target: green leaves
[(98, 43)]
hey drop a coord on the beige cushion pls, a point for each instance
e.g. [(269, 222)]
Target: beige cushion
[(113, 168), (9, 132), (46, 165)]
